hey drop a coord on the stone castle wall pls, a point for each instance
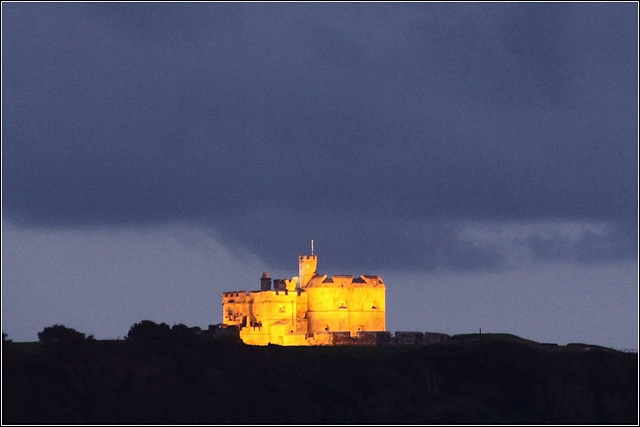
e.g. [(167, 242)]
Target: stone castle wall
[(308, 311)]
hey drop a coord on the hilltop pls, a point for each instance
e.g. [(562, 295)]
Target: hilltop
[(175, 376)]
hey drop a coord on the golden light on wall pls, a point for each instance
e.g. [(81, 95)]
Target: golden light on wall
[(310, 309)]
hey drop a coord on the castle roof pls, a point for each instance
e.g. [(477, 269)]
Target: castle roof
[(323, 280)]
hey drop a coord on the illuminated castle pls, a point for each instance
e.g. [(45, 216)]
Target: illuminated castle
[(310, 309)]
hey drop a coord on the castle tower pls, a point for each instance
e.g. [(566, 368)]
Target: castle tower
[(307, 265)]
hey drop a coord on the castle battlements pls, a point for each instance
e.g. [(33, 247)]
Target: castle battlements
[(309, 309)]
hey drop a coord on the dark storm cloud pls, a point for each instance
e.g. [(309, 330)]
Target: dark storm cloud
[(380, 130)]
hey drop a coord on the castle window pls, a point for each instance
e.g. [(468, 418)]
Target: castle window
[(342, 305), (281, 309)]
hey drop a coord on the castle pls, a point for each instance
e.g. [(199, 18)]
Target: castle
[(310, 309)]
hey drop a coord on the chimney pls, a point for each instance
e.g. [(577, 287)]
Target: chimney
[(265, 282)]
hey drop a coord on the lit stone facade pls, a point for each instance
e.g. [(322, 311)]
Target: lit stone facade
[(308, 309)]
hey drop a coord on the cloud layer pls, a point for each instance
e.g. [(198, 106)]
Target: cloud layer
[(415, 136)]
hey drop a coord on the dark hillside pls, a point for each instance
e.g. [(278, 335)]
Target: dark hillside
[(174, 376)]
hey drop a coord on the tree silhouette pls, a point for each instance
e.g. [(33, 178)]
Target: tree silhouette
[(60, 335), (147, 330)]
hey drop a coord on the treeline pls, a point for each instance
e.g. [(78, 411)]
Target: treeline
[(174, 375)]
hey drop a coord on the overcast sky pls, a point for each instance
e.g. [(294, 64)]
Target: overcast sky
[(482, 158)]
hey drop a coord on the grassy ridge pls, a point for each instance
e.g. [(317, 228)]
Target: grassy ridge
[(183, 378)]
